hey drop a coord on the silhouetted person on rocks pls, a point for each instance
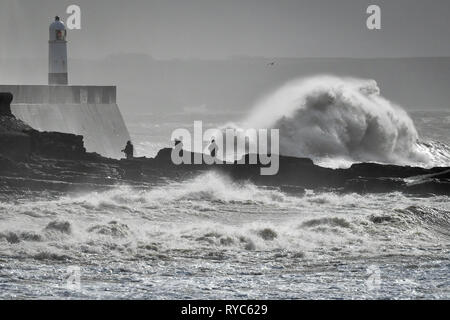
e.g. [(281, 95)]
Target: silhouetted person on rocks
[(213, 148), (129, 150)]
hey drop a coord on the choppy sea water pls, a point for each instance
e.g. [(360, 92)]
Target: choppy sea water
[(214, 238)]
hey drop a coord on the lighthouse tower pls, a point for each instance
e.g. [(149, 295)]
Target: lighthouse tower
[(89, 111), (57, 54)]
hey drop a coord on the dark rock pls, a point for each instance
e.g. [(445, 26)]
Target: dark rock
[(374, 170), (33, 160), (5, 104), (430, 187), (57, 145), (15, 145), (381, 184)]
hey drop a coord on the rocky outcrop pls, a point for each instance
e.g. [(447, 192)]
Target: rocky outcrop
[(15, 145), (93, 172), (14, 142), (51, 161), (295, 173), (18, 141), (57, 145)]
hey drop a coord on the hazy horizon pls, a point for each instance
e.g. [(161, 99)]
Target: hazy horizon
[(168, 56), (152, 86), (205, 29)]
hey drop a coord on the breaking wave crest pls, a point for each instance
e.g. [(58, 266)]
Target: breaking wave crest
[(339, 121), (213, 217), (212, 187)]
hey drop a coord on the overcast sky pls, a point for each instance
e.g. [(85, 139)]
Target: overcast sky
[(216, 29)]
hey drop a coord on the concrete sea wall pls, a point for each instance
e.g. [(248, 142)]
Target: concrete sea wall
[(90, 111)]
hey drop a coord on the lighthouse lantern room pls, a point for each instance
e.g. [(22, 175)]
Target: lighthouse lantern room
[(57, 54)]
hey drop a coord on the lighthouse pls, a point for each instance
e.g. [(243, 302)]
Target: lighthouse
[(57, 53), (89, 111)]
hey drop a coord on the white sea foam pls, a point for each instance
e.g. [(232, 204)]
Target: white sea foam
[(161, 241), (339, 121)]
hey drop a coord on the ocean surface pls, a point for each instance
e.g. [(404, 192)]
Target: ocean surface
[(214, 238)]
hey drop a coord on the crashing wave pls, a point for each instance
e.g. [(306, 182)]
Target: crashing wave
[(340, 121)]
